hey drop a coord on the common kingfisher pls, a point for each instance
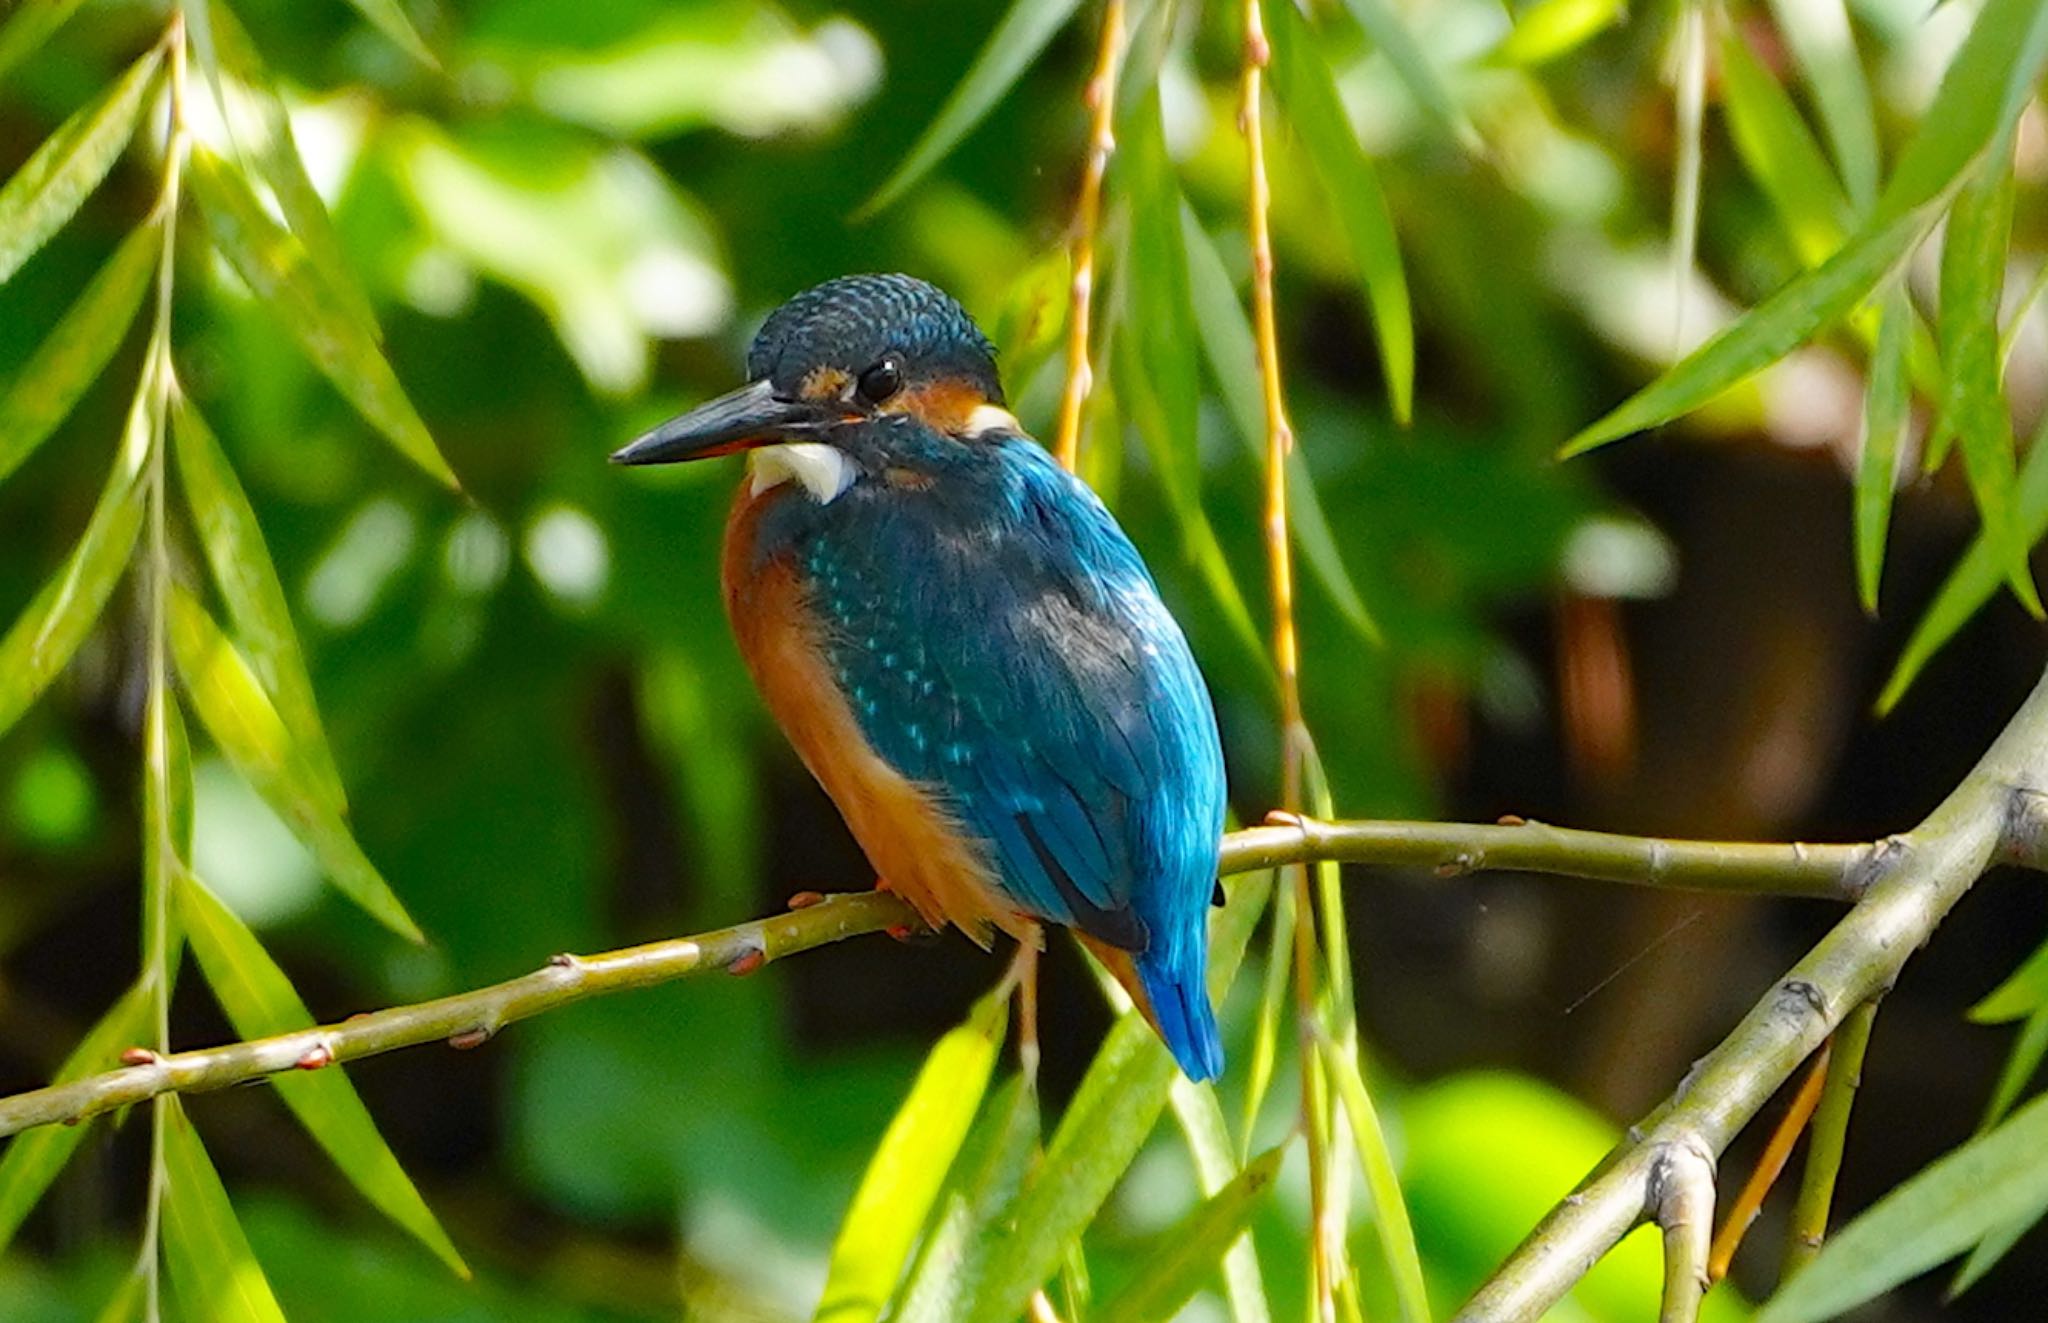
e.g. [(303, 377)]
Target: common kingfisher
[(964, 646)]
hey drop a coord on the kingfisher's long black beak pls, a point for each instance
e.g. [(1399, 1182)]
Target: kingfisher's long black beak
[(740, 420)]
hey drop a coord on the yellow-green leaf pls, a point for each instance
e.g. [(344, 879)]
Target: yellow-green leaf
[(1016, 42), (212, 1268), (909, 1166), (1415, 68), (276, 267), (260, 1002), (1208, 1139), (29, 26), (34, 1157), (1188, 1251), (233, 541), (1308, 92), (1887, 403), (1390, 1210), (61, 615), (971, 1216), (73, 354), (1780, 153), (2023, 992), (1550, 28), (232, 706), (391, 20), (48, 190), (1818, 33)]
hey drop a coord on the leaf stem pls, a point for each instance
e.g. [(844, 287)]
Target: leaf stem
[(1101, 101)]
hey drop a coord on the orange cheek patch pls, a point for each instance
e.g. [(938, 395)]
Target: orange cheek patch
[(945, 406)]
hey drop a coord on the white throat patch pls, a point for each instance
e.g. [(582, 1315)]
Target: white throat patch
[(823, 471), (989, 418)]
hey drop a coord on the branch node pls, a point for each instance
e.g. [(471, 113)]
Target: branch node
[(315, 1057), (803, 900), (1512, 820), (1804, 995), (138, 1056), (746, 962), (471, 1038), (564, 960)]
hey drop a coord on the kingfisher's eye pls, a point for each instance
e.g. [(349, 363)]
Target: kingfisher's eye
[(882, 380)]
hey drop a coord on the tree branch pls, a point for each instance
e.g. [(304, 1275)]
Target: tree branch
[(1913, 884)]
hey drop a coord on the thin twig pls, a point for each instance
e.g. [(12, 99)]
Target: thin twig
[(1682, 1202), (1769, 1166), (1101, 101), (1830, 1134)]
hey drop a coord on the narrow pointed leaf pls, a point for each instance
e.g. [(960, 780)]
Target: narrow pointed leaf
[(2027, 1050), (1971, 1193), (1390, 1210), (2022, 992), (1308, 92), (1818, 33), (48, 190), (1016, 42), (390, 19), (34, 1157), (1780, 153), (1186, 1259), (212, 1268), (1887, 404), (227, 528), (62, 614), (231, 704), (970, 1219), (1972, 282), (166, 825), (278, 271), (1265, 1050), (75, 352), (1550, 28), (29, 26), (129, 1303), (908, 1168), (1415, 68), (1988, 1251), (1208, 1139), (260, 1002)]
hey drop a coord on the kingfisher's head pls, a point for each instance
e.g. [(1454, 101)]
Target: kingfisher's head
[(834, 371)]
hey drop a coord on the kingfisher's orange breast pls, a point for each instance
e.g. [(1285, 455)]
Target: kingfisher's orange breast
[(918, 848)]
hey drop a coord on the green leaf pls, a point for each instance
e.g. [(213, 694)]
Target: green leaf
[(29, 26), (1766, 333), (2020, 1065), (2023, 992), (1308, 91), (166, 823), (1992, 1248), (1390, 1210), (1780, 153), (1972, 282), (48, 190), (391, 20), (1887, 408), (75, 352), (1011, 48), (1818, 33), (278, 271), (227, 528), (1188, 1251), (1550, 28), (34, 1157), (234, 709), (970, 1221), (62, 614), (1972, 1192), (1208, 1139), (1227, 343), (1265, 1053), (904, 1175), (260, 1002), (1414, 67), (211, 1265)]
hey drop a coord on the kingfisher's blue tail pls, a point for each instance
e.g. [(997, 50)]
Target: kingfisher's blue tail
[(1178, 990)]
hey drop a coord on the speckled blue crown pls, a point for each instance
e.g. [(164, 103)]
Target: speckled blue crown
[(853, 321)]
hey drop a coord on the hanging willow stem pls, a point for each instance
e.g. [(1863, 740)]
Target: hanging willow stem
[(1101, 101)]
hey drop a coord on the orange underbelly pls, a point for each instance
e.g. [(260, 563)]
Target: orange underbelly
[(919, 850)]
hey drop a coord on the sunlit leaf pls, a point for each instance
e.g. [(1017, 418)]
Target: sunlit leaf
[(1011, 48), (390, 19), (1954, 1203), (1415, 68), (48, 190), (1550, 28), (278, 271), (1308, 91), (62, 614), (1208, 1139), (1780, 153), (212, 1268), (908, 1167), (232, 706), (1972, 280), (1818, 33), (71, 357), (1265, 1052), (1887, 405), (34, 1157), (1187, 1256), (969, 1221), (2020, 1065), (248, 582), (29, 26), (130, 1301), (1390, 1211), (260, 1002), (166, 823)]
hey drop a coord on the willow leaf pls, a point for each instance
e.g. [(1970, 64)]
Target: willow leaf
[(1308, 91), (1551, 28), (275, 266), (212, 1268), (905, 1174), (971, 1218), (1887, 404), (55, 182), (234, 709), (1390, 1210), (1414, 67), (233, 541), (1189, 1250), (1016, 42), (1208, 1139), (62, 614), (260, 1002), (75, 352), (1818, 33), (1780, 153), (29, 26), (390, 19)]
